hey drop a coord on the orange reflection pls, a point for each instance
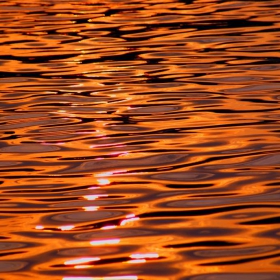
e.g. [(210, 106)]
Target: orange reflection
[(104, 242), (194, 102), (136, 261)]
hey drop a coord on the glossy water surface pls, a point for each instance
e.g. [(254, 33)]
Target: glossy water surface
[(139, 140)]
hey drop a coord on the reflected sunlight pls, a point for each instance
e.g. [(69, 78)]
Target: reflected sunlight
[(104, 242), (91, 208), (94, 196), (63, 228), (110, 173), (103, 182), (83, 266), (136, 261), (81, 260), (126, 221), (145, 256), (39, 227), (141, 258), (130, 216), (139, 138), (108, 227)]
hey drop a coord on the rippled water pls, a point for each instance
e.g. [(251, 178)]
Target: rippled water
[(139, 140)]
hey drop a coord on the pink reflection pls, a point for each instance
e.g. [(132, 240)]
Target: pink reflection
[(85, 132), (51, 144)]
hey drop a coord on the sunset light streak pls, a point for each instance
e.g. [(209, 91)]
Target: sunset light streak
[(81, 261), (104, 242)]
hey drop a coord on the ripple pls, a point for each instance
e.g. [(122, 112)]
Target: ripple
[(11, 266), (234, 252), (11, 245), (118, 233), (28, 148), (181, 176), (144, 133), (156, 160), (84, 216), (206, 202)]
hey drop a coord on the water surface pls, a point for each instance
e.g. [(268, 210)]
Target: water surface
[(139, 140)]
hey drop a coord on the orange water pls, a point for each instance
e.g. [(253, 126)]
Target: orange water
[(139, 140)]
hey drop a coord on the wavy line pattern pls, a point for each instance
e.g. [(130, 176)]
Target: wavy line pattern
[(139, 140)]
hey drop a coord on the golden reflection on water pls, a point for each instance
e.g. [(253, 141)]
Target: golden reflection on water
[(139, 140)]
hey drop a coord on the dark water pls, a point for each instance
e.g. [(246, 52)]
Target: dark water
[(139, 140)]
